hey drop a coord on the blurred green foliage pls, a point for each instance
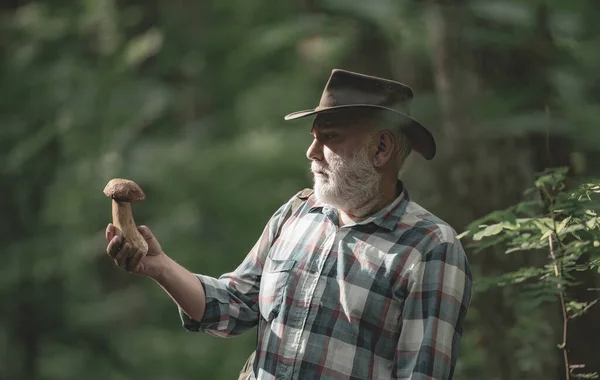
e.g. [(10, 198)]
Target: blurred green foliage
[(187, 99), (558, 221)]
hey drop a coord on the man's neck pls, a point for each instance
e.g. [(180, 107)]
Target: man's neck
[(388, 193)]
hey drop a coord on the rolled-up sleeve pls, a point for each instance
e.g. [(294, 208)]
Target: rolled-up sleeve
[(438, 296), (232, 299)]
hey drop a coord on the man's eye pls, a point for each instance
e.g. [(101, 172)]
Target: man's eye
[(328, 136)]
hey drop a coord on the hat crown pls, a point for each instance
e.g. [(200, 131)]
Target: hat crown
[(348, 88)]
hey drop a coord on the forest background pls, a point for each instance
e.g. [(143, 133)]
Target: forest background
[(187, 98)]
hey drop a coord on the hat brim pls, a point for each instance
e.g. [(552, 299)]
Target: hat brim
[(421, 139)]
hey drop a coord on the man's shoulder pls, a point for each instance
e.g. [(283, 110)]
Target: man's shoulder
[(429, 224), (303, 195), (293, 203), (299, 199)]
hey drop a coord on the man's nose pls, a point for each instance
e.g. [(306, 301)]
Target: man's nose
[(315, 151)]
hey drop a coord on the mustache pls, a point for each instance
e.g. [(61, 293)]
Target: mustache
[(318, 168)]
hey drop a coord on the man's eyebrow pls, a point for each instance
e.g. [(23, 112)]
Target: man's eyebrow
[(328, 128), (325, 129), (327, 125)]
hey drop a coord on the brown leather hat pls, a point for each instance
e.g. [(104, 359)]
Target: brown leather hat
[(346, 89)]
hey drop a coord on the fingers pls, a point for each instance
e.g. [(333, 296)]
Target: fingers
[(117, 248), (124, 254), (121, 252), (135, 259), (110, 231), (128, 258), (114, 246)]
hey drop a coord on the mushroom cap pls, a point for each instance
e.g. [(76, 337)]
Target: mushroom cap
[(124, 190)]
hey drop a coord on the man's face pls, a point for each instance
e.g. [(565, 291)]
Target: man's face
[(342, 156)]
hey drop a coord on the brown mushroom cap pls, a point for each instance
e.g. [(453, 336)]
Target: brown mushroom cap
[(124, 190)]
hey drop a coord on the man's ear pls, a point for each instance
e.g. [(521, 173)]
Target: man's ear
[(386, 145)]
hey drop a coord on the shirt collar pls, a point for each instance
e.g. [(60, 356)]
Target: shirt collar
[(388, 217)]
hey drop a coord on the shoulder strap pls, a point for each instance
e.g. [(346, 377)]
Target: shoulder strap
[(297, 201), (300, 198)]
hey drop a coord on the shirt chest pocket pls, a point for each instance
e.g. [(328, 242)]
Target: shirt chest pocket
[(273, 287)]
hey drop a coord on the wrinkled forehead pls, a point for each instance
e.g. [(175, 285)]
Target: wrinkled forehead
[(352, 118)]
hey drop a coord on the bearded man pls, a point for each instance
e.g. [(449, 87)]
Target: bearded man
[(353, 281)]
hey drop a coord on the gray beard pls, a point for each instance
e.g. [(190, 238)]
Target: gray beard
[(351, 185)]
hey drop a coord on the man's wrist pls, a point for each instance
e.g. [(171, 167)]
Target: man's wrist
[(164, 271)]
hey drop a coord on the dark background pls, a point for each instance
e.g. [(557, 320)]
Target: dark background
[(187, 98)]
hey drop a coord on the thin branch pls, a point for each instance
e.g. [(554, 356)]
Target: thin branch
[(577, 366), (563, 345), (548, 195), (561, 295), (585, 308)]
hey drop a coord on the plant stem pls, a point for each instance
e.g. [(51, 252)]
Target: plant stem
[(561, 295)]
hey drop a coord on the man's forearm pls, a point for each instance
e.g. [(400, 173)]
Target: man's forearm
[(184, 288)]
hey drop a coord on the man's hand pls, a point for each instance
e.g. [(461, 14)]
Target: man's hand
[(149, 264), (182, 285)]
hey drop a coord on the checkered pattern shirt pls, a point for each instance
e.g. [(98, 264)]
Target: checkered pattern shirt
[(384, 298)]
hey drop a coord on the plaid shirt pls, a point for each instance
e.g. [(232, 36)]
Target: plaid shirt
[(384, 298)]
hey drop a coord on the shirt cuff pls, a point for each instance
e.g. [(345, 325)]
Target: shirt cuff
[(212, 313)]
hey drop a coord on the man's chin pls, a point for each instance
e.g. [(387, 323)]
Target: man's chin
[(321, 182), (325, 193)]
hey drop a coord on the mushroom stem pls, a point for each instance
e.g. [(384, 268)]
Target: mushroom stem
[(123, 220)]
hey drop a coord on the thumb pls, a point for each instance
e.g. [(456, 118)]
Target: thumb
[(153, 245), (146, 233)]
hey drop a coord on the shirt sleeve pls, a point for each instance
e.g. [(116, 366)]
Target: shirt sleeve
[(232, 299), (438, 295)]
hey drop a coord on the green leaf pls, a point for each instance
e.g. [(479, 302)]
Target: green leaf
[(586, 375), (546, 235), (574, 306), (543, 224), (563, 224), (463, 234), (143, 46), (510, 218), (497, 241), (492, 230)]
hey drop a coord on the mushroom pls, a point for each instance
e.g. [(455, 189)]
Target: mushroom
[(123, 193)]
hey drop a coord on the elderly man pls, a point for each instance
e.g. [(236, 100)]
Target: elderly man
[(353, 281)]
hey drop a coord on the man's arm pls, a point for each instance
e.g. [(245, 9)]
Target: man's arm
[(223, 307), (439, 293), (229, 303), (184, 288)]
